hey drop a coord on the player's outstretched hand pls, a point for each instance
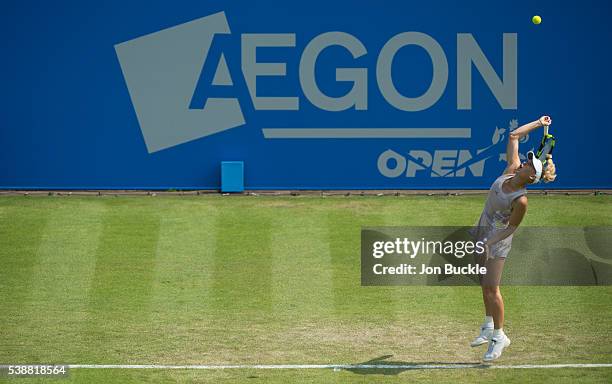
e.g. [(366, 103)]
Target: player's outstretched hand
[(545, 120)]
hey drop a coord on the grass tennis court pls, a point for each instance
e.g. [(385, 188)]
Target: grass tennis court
[(270, 280)]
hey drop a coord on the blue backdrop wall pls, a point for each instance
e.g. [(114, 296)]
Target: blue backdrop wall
[(310, 95)]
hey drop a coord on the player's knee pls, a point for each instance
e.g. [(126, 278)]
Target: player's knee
[(490, 292)]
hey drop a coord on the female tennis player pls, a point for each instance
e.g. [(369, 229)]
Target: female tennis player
[(503, 212)]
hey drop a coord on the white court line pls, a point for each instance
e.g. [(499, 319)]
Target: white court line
[(338, 366)]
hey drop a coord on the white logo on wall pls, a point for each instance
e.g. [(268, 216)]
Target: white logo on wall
[(163, 70), (446, 162)]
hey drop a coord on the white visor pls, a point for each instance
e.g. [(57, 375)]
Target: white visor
[(537, 164)]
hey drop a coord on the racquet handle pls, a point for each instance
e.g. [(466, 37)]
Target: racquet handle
[(546, 129)]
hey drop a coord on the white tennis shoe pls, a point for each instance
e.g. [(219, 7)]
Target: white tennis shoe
[(496, 347), (485, 335)]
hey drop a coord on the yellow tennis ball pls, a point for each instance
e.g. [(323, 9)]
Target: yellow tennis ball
[(536, 19)]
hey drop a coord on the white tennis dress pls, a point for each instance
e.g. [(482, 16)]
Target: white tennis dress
[(496, 215)]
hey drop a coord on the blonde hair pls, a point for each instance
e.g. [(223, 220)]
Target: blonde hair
[(550, 171)]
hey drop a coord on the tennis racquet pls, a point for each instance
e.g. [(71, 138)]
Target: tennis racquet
[(547, 145)]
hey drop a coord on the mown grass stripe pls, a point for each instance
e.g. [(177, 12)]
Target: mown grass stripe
[(344, 225), (301, 263), (57, 305), (22, 231), (242, 262), (121, 287), (184, 263)]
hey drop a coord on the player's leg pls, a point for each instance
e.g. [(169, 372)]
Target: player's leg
[(494, 303), (493, 300), (486, 328)]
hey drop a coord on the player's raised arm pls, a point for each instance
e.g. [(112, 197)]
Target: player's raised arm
[(512, 154)]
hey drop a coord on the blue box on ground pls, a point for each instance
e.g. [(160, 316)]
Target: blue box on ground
[(232, 176)]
